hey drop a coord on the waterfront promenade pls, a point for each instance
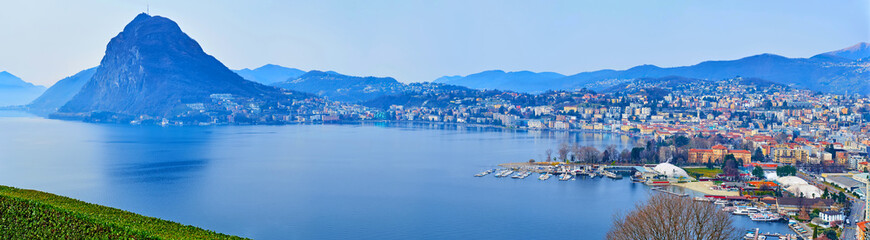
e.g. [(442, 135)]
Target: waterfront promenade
[(705, 188)]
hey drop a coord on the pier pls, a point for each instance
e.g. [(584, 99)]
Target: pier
[(660, 189)]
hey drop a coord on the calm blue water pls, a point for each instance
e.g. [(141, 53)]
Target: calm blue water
[(318, 181)]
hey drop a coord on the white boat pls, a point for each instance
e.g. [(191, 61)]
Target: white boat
[(720, 202), (544, 176), (484, 173), (611, 175), (702, 199), (565, 177), (765, 217), (746, 211)]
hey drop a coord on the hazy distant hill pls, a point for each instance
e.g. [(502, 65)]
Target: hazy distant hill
[(341, 87), (523, 81), (855, 52), (836, 71), (60, 93), (269, 74), (14, 91), (153, 68)]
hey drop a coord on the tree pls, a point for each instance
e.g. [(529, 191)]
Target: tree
[(625, 155), (589, 154), (635, 154), (563, 152), (831, 234), (758, 172), (681, 141), (786, 171), (758, 156), (614, 154), (549, 153), (665, 154), (729, 166), (673, 217)]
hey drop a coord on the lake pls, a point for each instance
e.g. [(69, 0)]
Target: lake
[(364, 181)]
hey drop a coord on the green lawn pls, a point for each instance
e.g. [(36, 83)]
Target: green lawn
[(29, 214), (703, 171)]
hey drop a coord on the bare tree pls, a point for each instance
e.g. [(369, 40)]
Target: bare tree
[(575, 152), (614, 154), (589, 154), (665, 154), (700, 143), (625, 155), (563, 151), (549, 153), (673, 217)]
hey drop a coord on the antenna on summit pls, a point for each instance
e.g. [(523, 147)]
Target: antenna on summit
[(147, 8)]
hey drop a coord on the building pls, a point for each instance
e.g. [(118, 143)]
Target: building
[(793, 205), (788, 155), (862, 230), (717, 154), (831, 216)]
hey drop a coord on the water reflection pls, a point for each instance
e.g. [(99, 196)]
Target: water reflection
[(155, 155)]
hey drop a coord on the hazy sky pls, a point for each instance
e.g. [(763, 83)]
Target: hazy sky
[(44, 41)]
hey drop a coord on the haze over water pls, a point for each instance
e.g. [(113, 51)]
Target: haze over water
[(318, 181)]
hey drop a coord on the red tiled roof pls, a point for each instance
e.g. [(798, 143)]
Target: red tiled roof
[(720, 147), (700, 150)]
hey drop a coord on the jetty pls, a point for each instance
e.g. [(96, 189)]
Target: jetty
[(661, 189)]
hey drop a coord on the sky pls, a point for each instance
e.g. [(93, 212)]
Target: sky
[(44, 41)]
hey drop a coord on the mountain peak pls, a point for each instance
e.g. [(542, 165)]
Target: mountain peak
[(854, 52), (153, 68)]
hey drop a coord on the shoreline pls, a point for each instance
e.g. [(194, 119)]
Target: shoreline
[(361, 122), (704, 188)]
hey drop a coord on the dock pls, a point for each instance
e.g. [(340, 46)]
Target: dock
[(660, 189)]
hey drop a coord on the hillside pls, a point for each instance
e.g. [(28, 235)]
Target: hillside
[(153, 68), (340, 87), (269, 74), (14, 91), (29, 214), (522, 81), (60, 93), (841, 71)]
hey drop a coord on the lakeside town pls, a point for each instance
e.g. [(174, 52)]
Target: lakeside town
[(720, 138), (812, 199)]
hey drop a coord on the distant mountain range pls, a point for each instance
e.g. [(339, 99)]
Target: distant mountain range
[(14, 91), (339, 87), (60, 93), (153, 68), (524, 81), (269, 74), (846, 70), (856, 52)]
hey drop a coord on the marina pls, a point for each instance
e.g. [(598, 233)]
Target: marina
[(743, 211)]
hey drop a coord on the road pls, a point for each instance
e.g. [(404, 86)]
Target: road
[(857, 209)]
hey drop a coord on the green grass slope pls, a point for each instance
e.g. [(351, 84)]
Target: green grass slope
[(29, 214)]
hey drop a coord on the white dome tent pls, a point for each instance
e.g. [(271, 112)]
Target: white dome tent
[(790, 181), (799, 187), (805, 190), (671, 170)]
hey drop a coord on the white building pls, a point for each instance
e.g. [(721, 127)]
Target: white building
[(831, 215)]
